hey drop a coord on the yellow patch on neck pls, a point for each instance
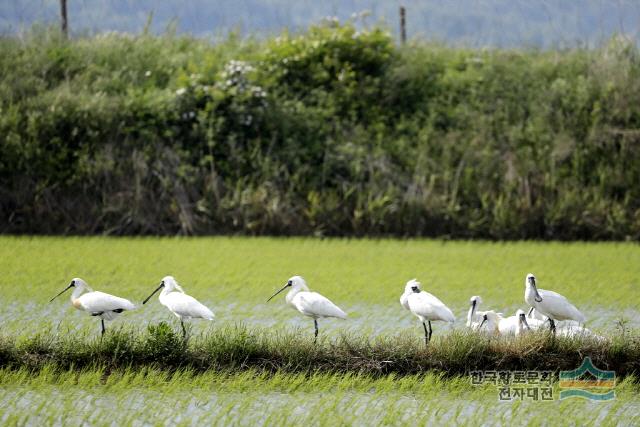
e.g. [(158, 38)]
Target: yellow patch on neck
[(76, 303)]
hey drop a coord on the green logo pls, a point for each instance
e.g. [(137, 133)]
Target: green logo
[(587, 382)]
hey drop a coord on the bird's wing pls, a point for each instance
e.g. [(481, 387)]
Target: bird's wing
[(404, 300), (187, 306), (508, 325), (314, 304), (558, 307), (427, 305), (97, 302)]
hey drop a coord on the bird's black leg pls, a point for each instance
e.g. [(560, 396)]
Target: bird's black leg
[(102, 323), (426, 334), (530, 311), (315, 324), (430, 330), (184, 331), (552, 325)]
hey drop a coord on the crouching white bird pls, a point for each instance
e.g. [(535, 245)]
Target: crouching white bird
[(96, 303), (525, 325), (550, 304), (425, 306), (474, 316), (182, 305), (309, 303), (575, 331), (499, 325)]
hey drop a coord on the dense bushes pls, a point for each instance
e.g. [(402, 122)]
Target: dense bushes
[(336, 131)]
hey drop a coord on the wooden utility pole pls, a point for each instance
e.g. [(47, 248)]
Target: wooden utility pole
[(63, 16), (403, 25)]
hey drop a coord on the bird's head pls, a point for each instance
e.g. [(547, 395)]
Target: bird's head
[(412, 286), (76, 283), (296, 283), (530, 281), (475, 300), (522, 319), (170, 284)]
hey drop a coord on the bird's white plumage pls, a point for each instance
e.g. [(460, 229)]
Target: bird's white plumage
[(314, 305), (424, 305), (575, 331), (474, 315), (552, 305), (100, 302), (179, 303), (309, 303)]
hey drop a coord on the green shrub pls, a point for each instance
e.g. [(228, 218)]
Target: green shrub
[(334, 131)]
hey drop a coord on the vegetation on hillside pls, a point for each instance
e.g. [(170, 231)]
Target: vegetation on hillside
[(335, 131)]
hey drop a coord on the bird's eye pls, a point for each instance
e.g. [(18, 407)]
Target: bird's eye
[(73, 283), (162, 283), (289, 283)]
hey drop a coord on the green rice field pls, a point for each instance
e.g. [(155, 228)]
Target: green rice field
[(235, 276)]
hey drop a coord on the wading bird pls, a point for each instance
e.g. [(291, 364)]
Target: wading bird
[(525, 325), (497, 324), (96, 303), (425, 307), (182, 305), (474, 316), (309, 303), (550, 304)]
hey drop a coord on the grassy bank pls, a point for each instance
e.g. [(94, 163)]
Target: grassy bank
[(239, 349), (335, 131)]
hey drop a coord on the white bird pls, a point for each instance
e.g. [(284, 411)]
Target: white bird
[(182, 305), (474, 316), (425, 306), (550, 304), (499, 325), (96, 303), (525, 325), (309, 303), (575, 331)]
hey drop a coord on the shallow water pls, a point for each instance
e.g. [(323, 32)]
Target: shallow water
[(55, 405), (369, 320)]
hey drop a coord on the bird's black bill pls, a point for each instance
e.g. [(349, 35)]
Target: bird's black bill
[(283, 288), (153, 293), (65, 290), (484, 319), (523, 319), (537, 296)]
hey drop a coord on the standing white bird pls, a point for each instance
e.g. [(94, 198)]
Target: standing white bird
[(182, 305), (309, 303), (425, 307), (550, 304), (96, 303)]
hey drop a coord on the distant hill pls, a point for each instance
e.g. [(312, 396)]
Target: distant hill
[(477, 23)]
